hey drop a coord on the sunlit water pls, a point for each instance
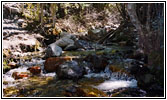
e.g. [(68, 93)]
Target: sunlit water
[(114, 80)]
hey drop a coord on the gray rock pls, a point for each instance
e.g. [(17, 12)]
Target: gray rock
[(96, 34), (70, 70), (53, 50), (63, 42), (68, 35), (63, 34), (83, 44)]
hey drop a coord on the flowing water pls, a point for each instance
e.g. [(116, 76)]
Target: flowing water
[(105, 83)]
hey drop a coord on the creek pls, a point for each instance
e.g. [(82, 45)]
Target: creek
[(102, 84)]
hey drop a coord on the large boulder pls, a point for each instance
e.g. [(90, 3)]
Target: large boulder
[(53, 50), (63, 42), (70, 70), (51, 64)]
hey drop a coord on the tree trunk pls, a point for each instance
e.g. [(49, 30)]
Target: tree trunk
[(131, 9), (41, 15), (53, 11)]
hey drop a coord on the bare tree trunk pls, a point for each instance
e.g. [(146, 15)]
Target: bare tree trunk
[(41, 15), (148, 18), (53, 11), (22, 8), (131, 9)]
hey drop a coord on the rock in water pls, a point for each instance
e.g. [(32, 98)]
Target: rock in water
[(35, 70), (70, 70), (63, 42), (98, 62), (53, 50), (17, 75), (51, 64)]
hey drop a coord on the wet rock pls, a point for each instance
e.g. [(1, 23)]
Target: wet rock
[(17, 75), (87, 66), (53, 51), (63, 42), (70, 70), (51, 64), (35, 70), (98, 62)]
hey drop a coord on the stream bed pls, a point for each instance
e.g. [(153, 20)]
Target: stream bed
[(107, 83)]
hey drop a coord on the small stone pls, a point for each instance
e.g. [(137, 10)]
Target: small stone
[(35, 70), (17, 75)]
